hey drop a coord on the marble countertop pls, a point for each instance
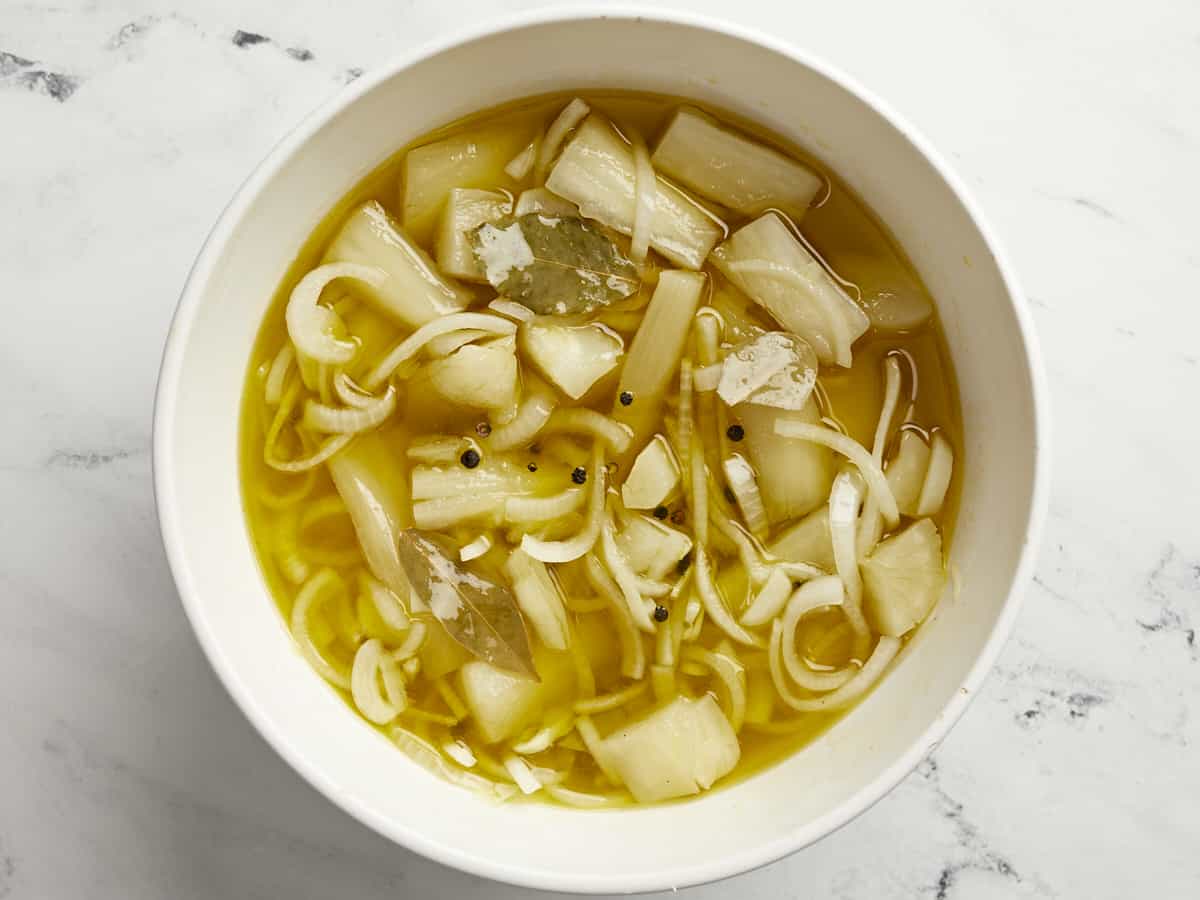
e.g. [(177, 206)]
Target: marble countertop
[(126, 771)]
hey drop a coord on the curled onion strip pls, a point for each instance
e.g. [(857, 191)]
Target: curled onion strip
[(844, 500), (519, 167), (715, 607), (816, 594), (387, 605), (645, 200), (633, 652), (584, 800), (731, 674), (532, 415), (884, 652), (870, 527), (575, 547), (856, 453), (557, 726), (595, 746), (412, 642), (348, 391), (573, 113), (614, 700), (511, 309), (544, 509), (625, 578), (370, 665), (310, 594), (770, 600), (413, 344), (312, 326), (578, 420), (350, 419), (277, 374)]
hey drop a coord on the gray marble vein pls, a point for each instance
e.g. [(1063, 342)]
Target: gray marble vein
[(128, 773)]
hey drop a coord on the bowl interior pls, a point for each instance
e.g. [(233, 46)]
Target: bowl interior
[(730, 830)]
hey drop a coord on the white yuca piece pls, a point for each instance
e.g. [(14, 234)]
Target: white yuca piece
[(653, 478), (481, 376), (904, 577), (414, 291), (731, 169), (469, 159), (652, 548), (937, 476), (540, 200), (501, 703), (767, 261), (372, 481), (678, 750), (571, 357), (807, 540), (906, 472), (654, 352), (539, 597), (596, 171), (466, 209), (793, 476)]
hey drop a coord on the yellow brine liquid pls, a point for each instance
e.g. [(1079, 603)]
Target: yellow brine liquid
[(509, 577)]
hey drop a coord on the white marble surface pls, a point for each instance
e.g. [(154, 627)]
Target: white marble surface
[(126, 772)]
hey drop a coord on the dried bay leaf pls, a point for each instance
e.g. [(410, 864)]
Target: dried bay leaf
[(479, 614), (554, 264)]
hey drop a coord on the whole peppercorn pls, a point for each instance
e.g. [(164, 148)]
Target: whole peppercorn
[(626, 398), (470, 459), (579, 476), (661, 613), (735, 432)]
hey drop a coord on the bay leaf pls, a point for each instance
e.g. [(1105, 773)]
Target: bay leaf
[(478, 613), (555, 265)]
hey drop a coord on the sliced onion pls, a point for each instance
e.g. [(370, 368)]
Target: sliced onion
[(426, 755), (584, 800), (532, 415), (557, 726), (770, 600), (633, 652), (544, 509), (573, 113), (460, 753), (648, 587), (884, 652), (698, 501), (575, 547), (731, 674), (476, 548), (856, 453), (579, 420), (645, 200), (511, 309), (348, 391), (277, 374), (816, 594), (413, 344), (448, 343), (741, 479), (412, 642), (625, 578), (311, 593), (521, 774), (387, 605), (684, 417), (311, 326), (844, 499), (595, 746), (937, 476), (349, 419), (519, 167), (453, 702), (714, 605), (870, 527), (370, 664), (442, 512), (614, 700)]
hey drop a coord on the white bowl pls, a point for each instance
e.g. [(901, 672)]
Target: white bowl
[(791, 804)]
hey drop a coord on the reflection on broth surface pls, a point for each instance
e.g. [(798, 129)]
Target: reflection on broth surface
[(601, 449)]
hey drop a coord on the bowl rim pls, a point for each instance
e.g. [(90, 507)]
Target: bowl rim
[(166, 399)]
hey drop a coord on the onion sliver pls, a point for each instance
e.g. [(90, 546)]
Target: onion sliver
[(349, 419), (511, 309), (519, 167), (625, 578), (744, 485), (413, 344), (595, 746), (584, 800), (770, 600), (460, 753), (277, 374), (579, 420), (573, 113), (370, 665), (645, 200), (476, 548), (575, 547), (521, 774), (856, 453), (884, 652), (311, 326), (937, 476), (616, 699), (715, 607), (532, 415), (389, 607), (544, 509), (350, 393), (557, 725), (816, 594), (731, 674), (312, 592), (844, 500), (633, 652)]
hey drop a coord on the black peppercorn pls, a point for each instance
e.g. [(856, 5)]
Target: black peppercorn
[(661, 613), (532, 467), (579, 476), (483, 429), (626, 398), (470, 459), (683, 564), (735, 432), (661, 512)]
